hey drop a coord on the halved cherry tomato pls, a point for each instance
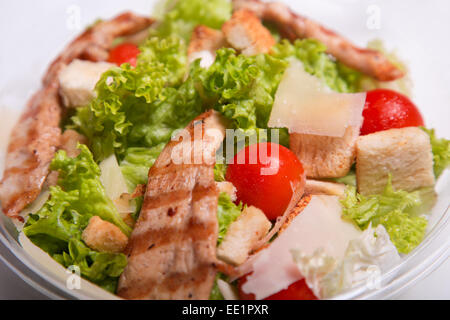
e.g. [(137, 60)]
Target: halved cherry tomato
[(124, 53), (264, 175), (299, 290), (386, 109)]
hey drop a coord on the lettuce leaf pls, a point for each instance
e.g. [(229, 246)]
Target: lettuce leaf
[(180, 17), (318, 63), (140, 107), (395, 210), (220, 170), (441, 152), (57, 227), (241, 88), (137, 162), (227, 212)]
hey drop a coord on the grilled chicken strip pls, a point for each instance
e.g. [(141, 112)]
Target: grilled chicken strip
[(36, 136), (294, 26), (172, 249), (95, 42)]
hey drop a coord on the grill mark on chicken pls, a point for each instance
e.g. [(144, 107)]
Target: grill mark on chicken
[(36, 137), (294, 26), (172, 250)]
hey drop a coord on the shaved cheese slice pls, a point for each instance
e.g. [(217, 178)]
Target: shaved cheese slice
[(304, 104), (318, 226), (115, 185)]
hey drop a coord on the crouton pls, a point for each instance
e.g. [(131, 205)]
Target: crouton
[(245, 32), (324, 156), (104, 236), (324, 187), (69, 142), (404, 153), (227, 187), (251, 226), (204, 44), (78, 80)]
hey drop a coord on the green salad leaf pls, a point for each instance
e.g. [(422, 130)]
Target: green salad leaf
[(142, 106), (240, 87), (395, 210), (441, 152), (215, 291), (136, 163), (57, 227), (227, 212), (220, 170), (180, 17)]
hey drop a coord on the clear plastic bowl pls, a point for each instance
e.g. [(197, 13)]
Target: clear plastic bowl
[(398, 28)]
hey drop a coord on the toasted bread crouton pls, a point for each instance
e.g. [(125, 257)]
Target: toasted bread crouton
[(204, 44), (104, 236), (251, 226), (324, 187), (227, 187), (245, 32), (324, 156), (69, 141), (404, 153), (78, 80)]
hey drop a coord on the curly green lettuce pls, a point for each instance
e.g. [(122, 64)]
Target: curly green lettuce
[(242, 88), (57, 227), (142, 106), (137, 162), (395, 210), (180, 17), (227, 212), (441, 152)]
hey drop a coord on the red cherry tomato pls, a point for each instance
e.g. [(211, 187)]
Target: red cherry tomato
[(387, 109), (264, 175), (299, 290), (124, 53)]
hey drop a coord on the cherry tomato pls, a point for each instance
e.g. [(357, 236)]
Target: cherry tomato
[(386, 109), (299, 290), (264, 175), (124, 53)]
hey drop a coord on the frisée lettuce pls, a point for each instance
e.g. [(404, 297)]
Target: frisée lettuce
[(441, 152), (180, 17), (57, 227), (227, 212), (394, 209)]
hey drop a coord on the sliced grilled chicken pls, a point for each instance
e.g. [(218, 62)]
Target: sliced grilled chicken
[(172, 249), (95, 42), (294, 26), (36, 136), (245, 32)]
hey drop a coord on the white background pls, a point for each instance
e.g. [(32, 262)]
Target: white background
[(33, 32)]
